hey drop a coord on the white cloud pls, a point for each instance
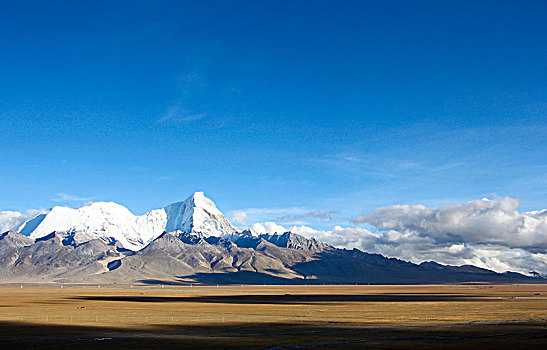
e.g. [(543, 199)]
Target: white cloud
[(480, 221), (486, 233), (419, 248), (267, 227), (239, 217), (11, 220), (338, 236)]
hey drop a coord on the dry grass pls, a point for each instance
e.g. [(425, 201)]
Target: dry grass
[(247, 316)]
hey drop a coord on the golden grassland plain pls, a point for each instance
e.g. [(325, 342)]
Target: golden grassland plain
[(262, 317)]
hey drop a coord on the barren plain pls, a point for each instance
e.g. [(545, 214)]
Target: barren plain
[(55, 316)]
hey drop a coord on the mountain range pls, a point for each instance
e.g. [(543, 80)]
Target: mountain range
[(192, 242)]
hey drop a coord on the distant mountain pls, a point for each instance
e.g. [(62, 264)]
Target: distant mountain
[(294, 241), (192, 242), (110, 221), (185, 258)]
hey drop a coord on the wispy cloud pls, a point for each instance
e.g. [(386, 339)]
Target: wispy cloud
[(352, 163), (291, 215), (253, 215), (316, 214), (384, 167), (65, 197), (177, 114)]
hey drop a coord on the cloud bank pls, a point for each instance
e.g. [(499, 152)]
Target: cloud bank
[(482, 221), (486, 233)]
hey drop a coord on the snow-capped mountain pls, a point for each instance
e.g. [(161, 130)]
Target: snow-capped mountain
[(111, 221), (191, 241), (199, 215)]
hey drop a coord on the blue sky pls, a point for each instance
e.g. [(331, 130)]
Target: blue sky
[(332, 108)]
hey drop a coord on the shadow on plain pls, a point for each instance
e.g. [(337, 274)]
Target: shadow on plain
[(291, 298), (271, 336)]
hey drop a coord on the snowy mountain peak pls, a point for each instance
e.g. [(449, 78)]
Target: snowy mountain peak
[(198, 214), (108, 220), (108, 208), (199, 200)]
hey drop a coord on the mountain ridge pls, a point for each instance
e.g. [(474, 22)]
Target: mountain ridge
[(192, 242), (185, 258), (109, 220)]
